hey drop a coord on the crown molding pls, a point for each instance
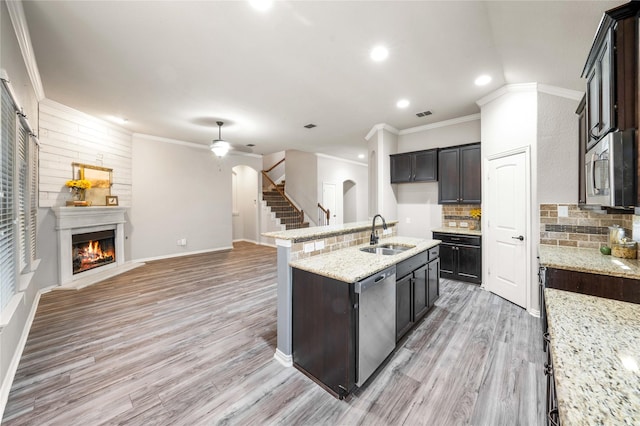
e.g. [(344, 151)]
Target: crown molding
[(344, 160), (574, 95), (19, 21), (443, 123), (188, 144), (381, 126), (531, 87)]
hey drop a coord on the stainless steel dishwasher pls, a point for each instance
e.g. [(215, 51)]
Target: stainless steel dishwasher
[(376, 321)]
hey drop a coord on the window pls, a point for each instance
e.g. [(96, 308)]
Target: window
[(18, 197)]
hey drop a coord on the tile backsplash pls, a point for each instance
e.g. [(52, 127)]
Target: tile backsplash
[(581, 227), (458, 214)]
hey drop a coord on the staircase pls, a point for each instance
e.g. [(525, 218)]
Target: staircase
[(284, 211)]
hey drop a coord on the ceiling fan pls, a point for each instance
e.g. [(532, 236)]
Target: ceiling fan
[(221, 147)]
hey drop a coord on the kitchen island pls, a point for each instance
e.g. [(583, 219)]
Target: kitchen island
[(333, 252), (595, 358)]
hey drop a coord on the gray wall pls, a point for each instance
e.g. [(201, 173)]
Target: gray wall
[(171, 204), (301, 175), (337, 171)]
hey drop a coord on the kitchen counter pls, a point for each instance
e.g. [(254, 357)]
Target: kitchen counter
[(461, 231), (317, 232), (595, 347), (351, 264), (588, 260)]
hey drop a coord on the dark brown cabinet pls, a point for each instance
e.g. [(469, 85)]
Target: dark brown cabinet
[(417, 289), (600, 96), (582, 150), (459, 177), (609, 287), (419, 166), (460, 257), (324, 330)]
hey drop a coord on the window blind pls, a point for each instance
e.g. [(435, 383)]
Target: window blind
[(34, 156), (7, 176), (22, 198)]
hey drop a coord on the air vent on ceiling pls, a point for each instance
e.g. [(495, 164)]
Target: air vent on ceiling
[(251, 145), (310, 126), (424, 113)]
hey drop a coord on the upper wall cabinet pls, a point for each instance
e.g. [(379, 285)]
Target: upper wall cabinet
[(459, 175), (611, 71), (419, 166)]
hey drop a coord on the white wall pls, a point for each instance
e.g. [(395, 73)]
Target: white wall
[(171, 204), (245, 212), (336, 171), (418, 208), (557, 150), (301, 175), (382, 142)]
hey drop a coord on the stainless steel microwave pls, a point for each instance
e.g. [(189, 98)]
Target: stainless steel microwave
[(610, 170)]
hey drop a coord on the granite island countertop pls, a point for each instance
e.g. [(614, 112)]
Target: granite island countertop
[(588, 260), (595, 347), (461, 231), (318, 232), (351, 265)]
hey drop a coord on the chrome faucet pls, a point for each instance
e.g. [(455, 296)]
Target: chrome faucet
[(374, 236)]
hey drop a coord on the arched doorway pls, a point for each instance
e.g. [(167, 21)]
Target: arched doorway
[(244, 182), (349, 201)]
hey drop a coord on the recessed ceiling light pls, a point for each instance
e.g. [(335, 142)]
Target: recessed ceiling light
[(483, 80), (261, 5), (379, 53), (361, 156), (402, 103)]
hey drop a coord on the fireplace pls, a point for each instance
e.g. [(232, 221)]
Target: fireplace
[(92, 250)]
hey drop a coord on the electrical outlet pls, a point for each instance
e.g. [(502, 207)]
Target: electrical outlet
[(563, 211), (464, 225), (309, 247), (408, 220), (319, 245), (387, 231), (452, 225)]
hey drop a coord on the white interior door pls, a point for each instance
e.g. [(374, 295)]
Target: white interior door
[(329, 200), (507, 224)]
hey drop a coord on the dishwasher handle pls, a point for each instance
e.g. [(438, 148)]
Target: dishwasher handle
[(375, 279)]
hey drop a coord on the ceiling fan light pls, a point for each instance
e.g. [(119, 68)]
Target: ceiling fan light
[(220, 148)]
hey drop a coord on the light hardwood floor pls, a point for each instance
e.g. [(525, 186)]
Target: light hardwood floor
[(191, 340)]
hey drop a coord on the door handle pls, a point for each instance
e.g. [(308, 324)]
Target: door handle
[(520, 237)]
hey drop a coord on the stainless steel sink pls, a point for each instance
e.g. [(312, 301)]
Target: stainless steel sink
[(397, 247), (386, 249), (380, 250)]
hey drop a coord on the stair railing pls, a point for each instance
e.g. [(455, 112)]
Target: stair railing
[(281, 192), (323, 215)]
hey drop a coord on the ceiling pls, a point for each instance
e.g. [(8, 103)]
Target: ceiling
[(174, 68)]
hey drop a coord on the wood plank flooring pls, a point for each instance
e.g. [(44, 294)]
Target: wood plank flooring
[(191, 340)]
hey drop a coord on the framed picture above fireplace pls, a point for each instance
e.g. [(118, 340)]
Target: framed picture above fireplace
[(101, 179)]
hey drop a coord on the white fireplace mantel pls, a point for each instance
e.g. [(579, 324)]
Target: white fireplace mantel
[(78, 220)]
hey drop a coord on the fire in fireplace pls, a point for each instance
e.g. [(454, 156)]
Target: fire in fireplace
[(92, 250)]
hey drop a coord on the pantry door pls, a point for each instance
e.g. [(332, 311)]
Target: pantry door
[(507, 210)]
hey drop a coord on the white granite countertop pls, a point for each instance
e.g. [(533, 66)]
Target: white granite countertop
[(595, 345), (351, 264), (317, 232), (461, 231), (588, 260)]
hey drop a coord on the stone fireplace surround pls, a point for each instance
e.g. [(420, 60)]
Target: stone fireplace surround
[(79, 220)]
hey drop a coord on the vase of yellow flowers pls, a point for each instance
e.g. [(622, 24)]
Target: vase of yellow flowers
[(477, 215), (78, 188)]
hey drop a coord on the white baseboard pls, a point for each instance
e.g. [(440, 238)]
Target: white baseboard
[(240, 240), (15, 360), (169, 256), (285, 360), (534, 312)]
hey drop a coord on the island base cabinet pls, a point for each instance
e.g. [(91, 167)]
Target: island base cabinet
[(323, 331)]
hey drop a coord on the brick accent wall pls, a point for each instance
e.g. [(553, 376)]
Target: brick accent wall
[(582, 228), (458, 214), (338, 242)]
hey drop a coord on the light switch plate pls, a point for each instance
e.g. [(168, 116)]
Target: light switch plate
[(464, 225), (386, 231), (452, 224), (563, 211), (319, 245), (308, 247)]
